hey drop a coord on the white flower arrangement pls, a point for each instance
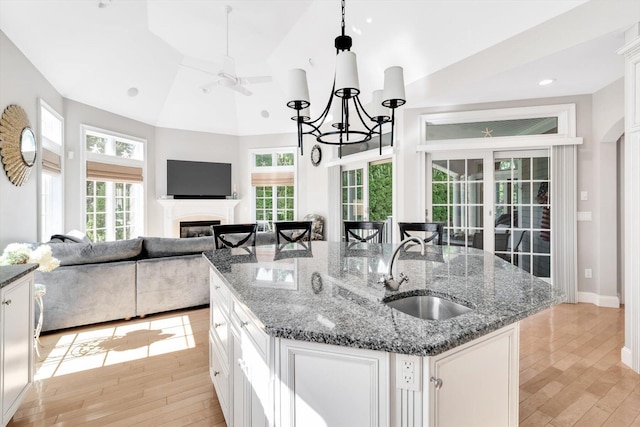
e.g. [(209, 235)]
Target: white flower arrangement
[(21, 253)]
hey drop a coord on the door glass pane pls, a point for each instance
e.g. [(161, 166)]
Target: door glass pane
[(457, 199), (380, 191), (352, 200), (522, 227), (541, 168), (493, 128)]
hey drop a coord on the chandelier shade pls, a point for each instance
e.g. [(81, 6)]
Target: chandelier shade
[(393, 95), (350, 122), (378, 110), (298, 89), (347, 84)]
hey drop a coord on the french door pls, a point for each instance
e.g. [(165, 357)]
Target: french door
[(498, 201), (367, 191)]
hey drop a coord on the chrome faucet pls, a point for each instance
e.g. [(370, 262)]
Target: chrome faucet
[(387, 280)]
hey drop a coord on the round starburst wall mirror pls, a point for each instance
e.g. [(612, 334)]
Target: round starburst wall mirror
[(18, 147)]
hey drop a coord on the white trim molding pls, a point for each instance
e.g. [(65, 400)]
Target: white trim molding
[(631, 52), (565, 113), (599, 300)]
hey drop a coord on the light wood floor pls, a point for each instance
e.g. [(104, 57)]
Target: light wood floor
[(570, 369), (153, 372)]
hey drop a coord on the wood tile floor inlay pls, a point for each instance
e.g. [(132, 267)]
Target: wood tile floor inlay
[(153, 372)]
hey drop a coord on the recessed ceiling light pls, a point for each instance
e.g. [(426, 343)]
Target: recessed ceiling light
[(133, 91), (104, 3), (546, 82), (265, 114), (369, 20), (356, 30)]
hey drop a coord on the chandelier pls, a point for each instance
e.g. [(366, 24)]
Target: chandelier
[(351, 123)]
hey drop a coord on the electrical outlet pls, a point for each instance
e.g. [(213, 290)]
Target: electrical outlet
[(588, 273), (408, 372)]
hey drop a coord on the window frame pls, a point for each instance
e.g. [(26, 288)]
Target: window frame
[(56, 198), (273, 169), (112, 159)]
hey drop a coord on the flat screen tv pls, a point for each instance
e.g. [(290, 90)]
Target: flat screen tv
[(198, 180)]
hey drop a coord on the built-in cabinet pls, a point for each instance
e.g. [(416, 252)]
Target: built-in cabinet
[(16, 344), (265, 381), (241, 356)]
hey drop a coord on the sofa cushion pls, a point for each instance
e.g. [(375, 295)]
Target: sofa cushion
[(156, 247), (92, 253)]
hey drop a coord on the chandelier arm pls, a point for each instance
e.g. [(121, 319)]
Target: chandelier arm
[(324, 113), (393, 123), (359, 107), (345, 118), (300, 134), (357, 101)]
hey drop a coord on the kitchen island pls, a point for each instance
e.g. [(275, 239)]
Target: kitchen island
[(301, 336)]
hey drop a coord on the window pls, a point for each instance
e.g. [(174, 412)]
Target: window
[(114, 206), (51, 184), (273, 181)]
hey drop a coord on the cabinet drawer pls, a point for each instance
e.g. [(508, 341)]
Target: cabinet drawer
[(220, 329), (250, 326), (219, 291), (220, 377)]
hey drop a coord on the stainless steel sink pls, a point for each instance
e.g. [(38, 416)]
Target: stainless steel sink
[(428, 307)]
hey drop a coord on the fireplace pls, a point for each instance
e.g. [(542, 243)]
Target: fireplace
[(192, 210), (196, 228)]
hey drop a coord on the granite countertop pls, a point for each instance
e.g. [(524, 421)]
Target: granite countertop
[(330, 294), (11, 273)]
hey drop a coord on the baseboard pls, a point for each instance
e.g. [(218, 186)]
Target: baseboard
[(599, 300), (626, 356)]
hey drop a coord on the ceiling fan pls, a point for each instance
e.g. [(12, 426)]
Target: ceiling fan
[(227, 76)]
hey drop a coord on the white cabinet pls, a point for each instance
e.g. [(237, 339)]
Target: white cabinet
[(477, 383), (251, 393), (16, 343), (328, 385), (263, 381), (240, 361)]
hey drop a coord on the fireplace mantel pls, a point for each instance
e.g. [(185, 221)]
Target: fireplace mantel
[(176, 210)]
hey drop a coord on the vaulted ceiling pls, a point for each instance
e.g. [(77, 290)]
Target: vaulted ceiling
[(452, 52)]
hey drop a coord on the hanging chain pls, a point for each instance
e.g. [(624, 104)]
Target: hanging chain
[(343, 16)]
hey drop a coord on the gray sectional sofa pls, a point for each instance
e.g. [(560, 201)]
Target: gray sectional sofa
[(98, 282)]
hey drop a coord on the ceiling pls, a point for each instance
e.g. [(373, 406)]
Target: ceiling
[(452, 52)]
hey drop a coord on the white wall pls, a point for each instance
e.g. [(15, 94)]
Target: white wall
[(608, 127), (21, 84), (177, 144)]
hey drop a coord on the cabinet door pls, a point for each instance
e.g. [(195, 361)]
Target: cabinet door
[(477, 385), (238, 385), (251, 391), (17, 349), (219, 376), (325, 385)]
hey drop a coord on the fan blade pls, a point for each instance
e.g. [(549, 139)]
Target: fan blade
[(241, 89), (207, 67), (255, 79)]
